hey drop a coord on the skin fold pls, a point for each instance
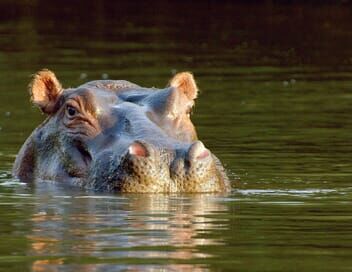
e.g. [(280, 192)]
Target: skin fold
[(115, 136)]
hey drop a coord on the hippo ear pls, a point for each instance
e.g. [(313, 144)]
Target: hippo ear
[(45, 90), (185, 82)]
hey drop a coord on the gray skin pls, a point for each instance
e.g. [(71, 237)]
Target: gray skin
[(115, 136)]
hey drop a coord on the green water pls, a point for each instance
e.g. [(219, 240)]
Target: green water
[(275, 106)]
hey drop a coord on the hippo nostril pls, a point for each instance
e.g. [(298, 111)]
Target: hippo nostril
[(197, 151), (138, 149)]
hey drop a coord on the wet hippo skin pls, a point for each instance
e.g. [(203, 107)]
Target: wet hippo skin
[(113, 135)]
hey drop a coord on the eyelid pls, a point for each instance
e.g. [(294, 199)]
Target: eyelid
[(70, 106), (73, 103)]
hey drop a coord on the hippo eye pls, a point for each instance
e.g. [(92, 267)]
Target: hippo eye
[(71, 111)]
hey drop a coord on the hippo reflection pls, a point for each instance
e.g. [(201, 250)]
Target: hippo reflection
[(113, 135)]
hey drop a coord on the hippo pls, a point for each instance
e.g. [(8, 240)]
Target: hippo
[(116, 136)]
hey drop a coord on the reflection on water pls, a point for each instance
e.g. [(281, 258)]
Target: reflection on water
[(49, 228), (115, 228), (275, 106)]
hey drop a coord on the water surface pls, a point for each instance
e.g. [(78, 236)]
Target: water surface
[(275, 106)]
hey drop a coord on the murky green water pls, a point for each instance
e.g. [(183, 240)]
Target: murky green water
[(276, 107)]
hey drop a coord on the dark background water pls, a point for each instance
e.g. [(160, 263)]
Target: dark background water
[(276, 81)]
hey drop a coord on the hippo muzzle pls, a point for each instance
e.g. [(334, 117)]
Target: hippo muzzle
[(145, 168)]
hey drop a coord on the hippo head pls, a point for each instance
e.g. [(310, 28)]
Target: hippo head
[(113, 135)]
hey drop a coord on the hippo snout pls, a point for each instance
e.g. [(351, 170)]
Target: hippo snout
[(151, 169)]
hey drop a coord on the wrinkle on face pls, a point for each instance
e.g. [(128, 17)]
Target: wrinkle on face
[(94, 115)]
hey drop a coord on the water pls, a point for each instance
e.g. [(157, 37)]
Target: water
[(275, 106)]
